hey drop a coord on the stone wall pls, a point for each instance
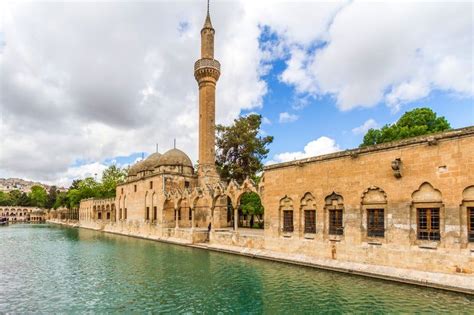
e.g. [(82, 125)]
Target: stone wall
[(400, 178), (22, 214)]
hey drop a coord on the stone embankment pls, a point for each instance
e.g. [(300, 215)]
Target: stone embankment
[(450, 282)]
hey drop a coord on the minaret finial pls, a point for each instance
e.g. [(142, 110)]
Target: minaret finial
[(207, 22)]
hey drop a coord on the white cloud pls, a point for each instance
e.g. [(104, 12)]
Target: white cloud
[(286, 117), (123, 80), (266, 121), (388, 52), (320, 146), (94, 170), (368, 124), (117, 84)]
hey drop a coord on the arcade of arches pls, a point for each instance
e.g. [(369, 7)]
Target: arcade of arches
[(22, 214)]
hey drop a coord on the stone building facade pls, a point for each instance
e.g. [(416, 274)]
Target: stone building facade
[(407, 204), (16, 214)]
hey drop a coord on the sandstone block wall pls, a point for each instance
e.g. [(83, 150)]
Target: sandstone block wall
[(435, 173)]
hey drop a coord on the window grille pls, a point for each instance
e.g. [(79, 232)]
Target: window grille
[(190, 214), (428, 224), (155, 213), (151, 184), (375, 223), (148, 213), (335, 222), (310, 221), (470, 224), (179, 215), (135, 188), (288, 221)]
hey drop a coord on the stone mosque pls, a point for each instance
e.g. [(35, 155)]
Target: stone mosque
[(406, 204)]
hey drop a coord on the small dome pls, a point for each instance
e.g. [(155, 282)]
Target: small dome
[(137, 168), (175, 157), (152, 161)]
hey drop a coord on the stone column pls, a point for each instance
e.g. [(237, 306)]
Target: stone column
[(236, 218), (176, 218)]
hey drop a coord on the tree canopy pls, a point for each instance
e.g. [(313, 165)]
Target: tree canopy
[(240, 148), (251, 204), (79, 189), (417, 122), (38, 196), (90, 188)]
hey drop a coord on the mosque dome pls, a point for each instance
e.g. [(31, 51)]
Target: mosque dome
[(152, 161), (175, 157), (137, 168)]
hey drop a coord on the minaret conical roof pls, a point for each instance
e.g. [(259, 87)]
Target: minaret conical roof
[(207, 22)]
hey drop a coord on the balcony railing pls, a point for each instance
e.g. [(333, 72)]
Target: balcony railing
[(207, 63)]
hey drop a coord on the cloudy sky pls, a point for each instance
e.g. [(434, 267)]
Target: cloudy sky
[(87, 84)]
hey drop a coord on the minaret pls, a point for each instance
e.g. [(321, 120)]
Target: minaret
[(207, 72)]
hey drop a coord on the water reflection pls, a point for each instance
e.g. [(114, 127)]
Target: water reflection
[(55, 269)]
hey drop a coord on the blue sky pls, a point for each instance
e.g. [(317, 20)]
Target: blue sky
[(77, 99)]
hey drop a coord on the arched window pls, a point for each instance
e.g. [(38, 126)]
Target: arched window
[(427, 203), (308, 211), (374, 205), (334, 205), (467, 208), (286, 213)]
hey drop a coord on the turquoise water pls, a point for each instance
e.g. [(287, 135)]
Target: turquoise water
[(49, 269)]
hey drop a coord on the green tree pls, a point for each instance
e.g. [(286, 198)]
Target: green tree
[(38, 196), (240, 149), (5, 199), (251, 205), (85, 188), (61, 200), (111, 177), (52, 196), (419, 121)]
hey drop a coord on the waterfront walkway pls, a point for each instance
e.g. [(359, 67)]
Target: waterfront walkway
[(459, 283), (451, 282)]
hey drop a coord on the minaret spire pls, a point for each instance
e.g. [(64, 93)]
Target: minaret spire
[(207, 22), (207, 72)]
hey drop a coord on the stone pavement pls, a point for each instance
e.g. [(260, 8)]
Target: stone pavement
[(458, 283)]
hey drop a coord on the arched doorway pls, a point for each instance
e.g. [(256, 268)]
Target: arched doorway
[(250, 211)]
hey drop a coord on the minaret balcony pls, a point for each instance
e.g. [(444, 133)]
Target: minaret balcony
[(207, 63)]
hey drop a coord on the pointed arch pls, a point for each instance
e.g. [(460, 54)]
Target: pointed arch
[(286, 215), (334, 211), (426, 193), (374, 195), (428, 209), (308, 213)]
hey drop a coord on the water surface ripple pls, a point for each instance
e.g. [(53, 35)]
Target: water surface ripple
[(49, 269)]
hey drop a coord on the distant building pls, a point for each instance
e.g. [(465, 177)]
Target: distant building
[(23, 214)]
